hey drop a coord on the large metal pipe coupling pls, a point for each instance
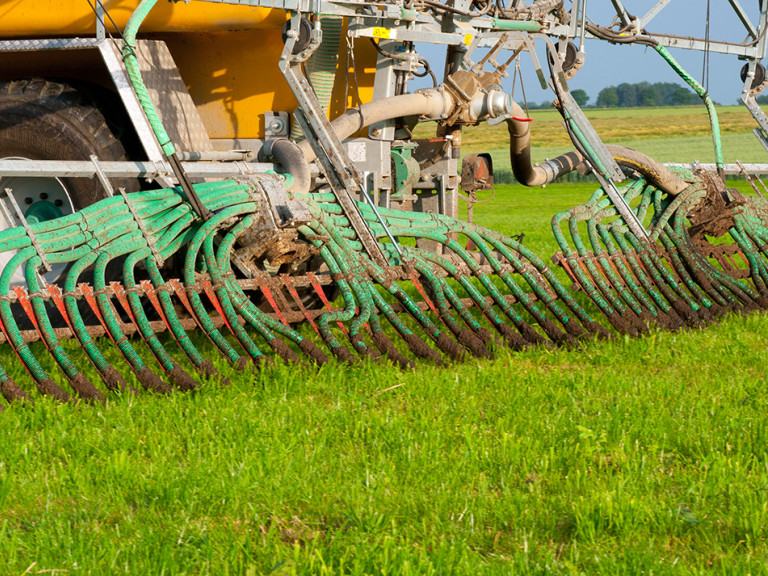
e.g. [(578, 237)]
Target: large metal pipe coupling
[(439, 103)]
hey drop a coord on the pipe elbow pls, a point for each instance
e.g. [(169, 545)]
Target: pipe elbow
[(520, 153), (292, 159)]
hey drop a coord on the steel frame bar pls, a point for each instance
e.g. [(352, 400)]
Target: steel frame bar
[(652, 13), (127, 169), (332, 153), (744, 18), (755, 49)]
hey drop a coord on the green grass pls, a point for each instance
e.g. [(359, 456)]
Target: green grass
[(742, 147), (673, 134), (630, 456)]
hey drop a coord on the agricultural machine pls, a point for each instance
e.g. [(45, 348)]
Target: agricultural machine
[(248, 170)]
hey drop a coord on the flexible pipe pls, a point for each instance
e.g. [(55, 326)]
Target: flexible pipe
[(293, 161), (435, 103), (528, 174), (655, 172), (431, 104), (132, 67)]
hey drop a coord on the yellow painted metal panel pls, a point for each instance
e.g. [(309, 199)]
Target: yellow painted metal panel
[(233, 79), (37, 18), (227, 55), (347, 82)]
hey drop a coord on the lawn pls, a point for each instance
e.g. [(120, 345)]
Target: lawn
[(625, 456)]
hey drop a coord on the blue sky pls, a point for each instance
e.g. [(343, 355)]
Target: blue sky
[(608, 64)]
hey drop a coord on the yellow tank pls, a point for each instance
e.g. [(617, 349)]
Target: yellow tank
[(227, 54), (41, 18)]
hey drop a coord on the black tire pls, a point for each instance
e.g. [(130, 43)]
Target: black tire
[(45, 120)]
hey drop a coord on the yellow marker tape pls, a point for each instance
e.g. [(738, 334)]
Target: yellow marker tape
[(468, 39), (379, 32)]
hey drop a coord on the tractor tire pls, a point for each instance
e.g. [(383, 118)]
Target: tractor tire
[(45, 120)]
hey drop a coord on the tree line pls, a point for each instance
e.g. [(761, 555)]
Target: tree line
[(643, 94), (646, 94)]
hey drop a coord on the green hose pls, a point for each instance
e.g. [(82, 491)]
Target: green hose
[(702, 92), (134, 74)]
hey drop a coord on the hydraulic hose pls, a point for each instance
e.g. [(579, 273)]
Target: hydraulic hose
[(536, 10)]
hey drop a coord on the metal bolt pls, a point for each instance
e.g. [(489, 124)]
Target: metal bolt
[(43, 196), (59, 202), (28, 200)]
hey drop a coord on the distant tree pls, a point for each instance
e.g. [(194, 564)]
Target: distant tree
[(644, 94), (647, 96), (681, 97), (627, 94), (607, 98), (581, 97)]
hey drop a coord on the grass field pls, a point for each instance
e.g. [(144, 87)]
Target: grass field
[(630, 456), (679, 134)]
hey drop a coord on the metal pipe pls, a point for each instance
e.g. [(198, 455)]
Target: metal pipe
[(145, 169), (290, 157), (526, 173), (216, 156), (431, 104)]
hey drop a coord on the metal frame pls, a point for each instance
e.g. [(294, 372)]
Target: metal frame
[(753, 51), (756, 48), (143, 169), (332, 154)]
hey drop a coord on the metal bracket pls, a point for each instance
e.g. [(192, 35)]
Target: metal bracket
[(20, 215), (105, 183), (287, 213), (111, 192), (339, 168), (158, 258), (276, 124)]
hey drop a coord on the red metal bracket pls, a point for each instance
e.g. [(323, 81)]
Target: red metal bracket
[(319, 289), (149, 290), (117, 288), (288, 281), (55, 293), (208, 289), (271, 299), (87, 292)]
